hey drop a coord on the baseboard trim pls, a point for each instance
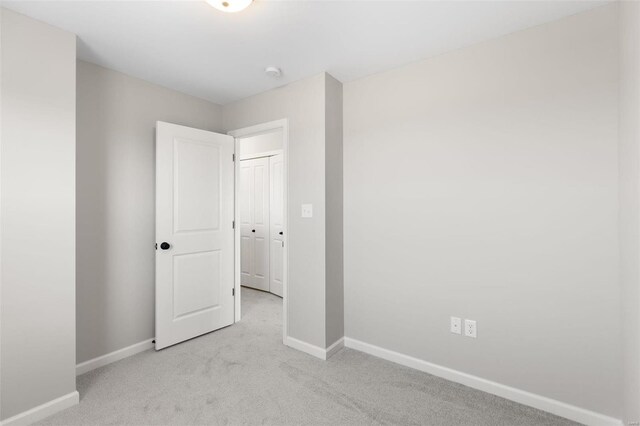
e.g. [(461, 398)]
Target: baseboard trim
[(558, 408), (305, 347), (43, 411), (335, 348), (114, 356), (317, 351)]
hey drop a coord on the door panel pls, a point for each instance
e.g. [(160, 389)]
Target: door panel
[(276, 173), (277, 267), (194, 215), (254, 231), (246, 222), (245, 259), (195, 276), (193, 176), (261, 223), (260, 191), (261, 267)]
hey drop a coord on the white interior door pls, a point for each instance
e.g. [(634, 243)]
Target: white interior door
[(254, 223), (194, 232), (246, 223), (276, 174)]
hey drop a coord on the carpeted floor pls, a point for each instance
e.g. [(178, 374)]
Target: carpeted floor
[(244, 375)]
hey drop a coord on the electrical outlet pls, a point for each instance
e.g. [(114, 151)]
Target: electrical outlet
[(456, 325), (470, 328)]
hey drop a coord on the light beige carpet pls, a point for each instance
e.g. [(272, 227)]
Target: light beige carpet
[(244, 375)]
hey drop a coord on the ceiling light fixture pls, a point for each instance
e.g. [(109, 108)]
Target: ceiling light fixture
[(230, 5)]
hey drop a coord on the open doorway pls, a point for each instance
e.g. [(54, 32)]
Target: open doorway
[(261, 200), (221, 223)]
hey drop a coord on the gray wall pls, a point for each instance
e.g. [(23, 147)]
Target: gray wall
[(116, 202), (303, 104), (334, 233), (116, 119), (37, 228), (262, 143), (483, 183), (630, 203)]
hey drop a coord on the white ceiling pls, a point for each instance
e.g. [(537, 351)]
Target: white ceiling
[(191, 47)]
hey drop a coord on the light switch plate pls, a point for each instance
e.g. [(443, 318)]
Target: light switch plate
[(307, 210)]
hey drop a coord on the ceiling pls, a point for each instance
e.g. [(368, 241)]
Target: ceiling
[(193, 48)]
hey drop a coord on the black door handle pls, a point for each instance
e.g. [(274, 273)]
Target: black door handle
[(253, 230), (165, 246), (280, 233)]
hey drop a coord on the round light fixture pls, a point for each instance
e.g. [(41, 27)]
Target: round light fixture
[(230, 5)]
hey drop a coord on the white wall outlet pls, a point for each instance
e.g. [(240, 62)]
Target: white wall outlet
[(456, 325), (307, 210), (470, 328)]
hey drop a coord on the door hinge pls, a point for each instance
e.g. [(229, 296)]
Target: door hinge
[(233, 292), (233, 157), (233, 224), (156, 246)]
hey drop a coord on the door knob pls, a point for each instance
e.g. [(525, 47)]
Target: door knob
[(253, 230), (165, 246), (280, 233)]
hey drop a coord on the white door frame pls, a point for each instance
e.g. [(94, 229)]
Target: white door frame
[(239, 134), (261, 154)]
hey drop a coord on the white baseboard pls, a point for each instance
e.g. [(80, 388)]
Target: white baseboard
[(305, 347), (103, 360), (333, 349), (558, 408), (316, 351), (43, 411)]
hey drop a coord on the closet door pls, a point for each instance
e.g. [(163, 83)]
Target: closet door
[(246, 223), (254, 226), (277, 224)]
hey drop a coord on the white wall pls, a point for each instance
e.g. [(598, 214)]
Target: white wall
[(116, 202), (483, 183), (37, 201), (258, 144), (630, 204)]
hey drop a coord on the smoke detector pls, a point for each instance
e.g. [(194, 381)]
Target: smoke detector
[(273, 72), (230, 5)]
